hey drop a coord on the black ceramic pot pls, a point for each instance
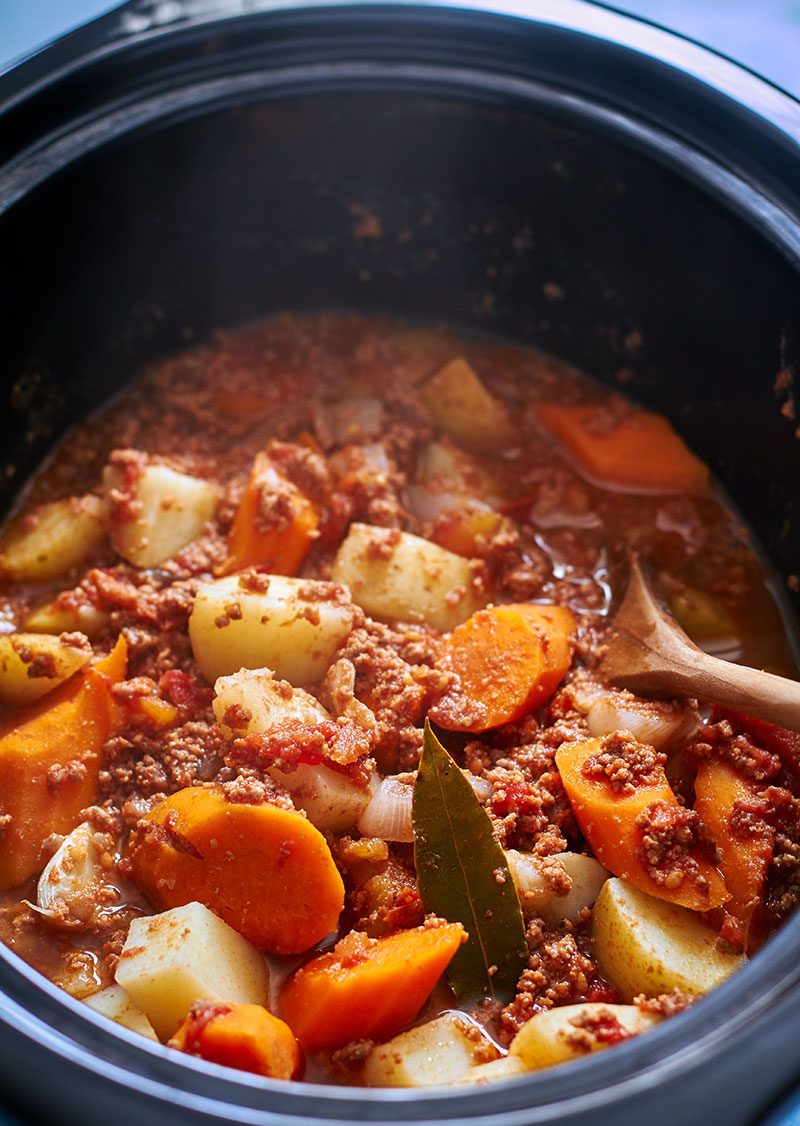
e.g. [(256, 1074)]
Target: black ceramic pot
[(557, 173)]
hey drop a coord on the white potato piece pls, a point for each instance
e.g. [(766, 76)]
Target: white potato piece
[(159, 512), (439, 1051), (262, 704), (56, 618), (507, 1067), (330, 799), (539, 897), (115, 1004), (463, 408), (568, 1032), (68, 887), (33, 664), (646, 945), (398, 577), (53, 539), (185, 955), (292, 626)]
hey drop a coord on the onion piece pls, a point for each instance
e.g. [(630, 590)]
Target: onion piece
[(260, 703), (348, 420), (650, 721), (388, 815), (482, 788), (539, 896), (67, 890)]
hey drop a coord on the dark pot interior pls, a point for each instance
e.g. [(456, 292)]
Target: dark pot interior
[(204, 179)]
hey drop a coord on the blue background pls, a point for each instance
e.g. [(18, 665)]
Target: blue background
[(762, 34)]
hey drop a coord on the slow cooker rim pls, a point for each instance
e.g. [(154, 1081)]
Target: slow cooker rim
[(129, 22), (598, 1081), (780, 949)]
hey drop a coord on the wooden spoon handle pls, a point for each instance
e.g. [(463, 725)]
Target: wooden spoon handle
[(746, 690)]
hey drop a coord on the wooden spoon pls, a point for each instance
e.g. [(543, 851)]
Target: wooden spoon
[(649, 653)]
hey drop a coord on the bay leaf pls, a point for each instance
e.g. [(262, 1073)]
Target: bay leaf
[(463, 877)]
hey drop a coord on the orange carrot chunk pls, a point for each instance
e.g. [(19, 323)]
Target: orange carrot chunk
[(266, 871), (274, 525), (508, 660), (728, 806), (50, 762), (626, 448), (556, 626), (635, 825), (247, 1037), (367, 987)]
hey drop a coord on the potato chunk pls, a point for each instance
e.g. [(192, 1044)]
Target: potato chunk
[(646, 945), (156, 511), (507, 1067), (570, 1031), (253, 702), (464, 409), (398, 577), (60, 617), (292, 626), (115, 1004), (52, 539), (32, 664), (331, 801), (260, 704), (540, 896), (183, 955), (439, 1051)]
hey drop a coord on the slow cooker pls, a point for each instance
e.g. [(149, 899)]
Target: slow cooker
[(551, 171)]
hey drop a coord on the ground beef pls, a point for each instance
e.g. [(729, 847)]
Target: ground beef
[(385, 900), (625, 763), (397, 678), (665, 1004), (252, 787), (783, 877), (670, 834), (592, 1030), (559, 972), (722, 740), (142, 767), (528, 805)]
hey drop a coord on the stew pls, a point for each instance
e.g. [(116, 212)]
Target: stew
[(306, 765)]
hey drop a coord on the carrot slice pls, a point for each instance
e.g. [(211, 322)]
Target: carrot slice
[(367, 987), (50, 761), (247, 1037), (745, 850), (265, 871), (281, 545), (556, 626), (629, 449), (608, 819), (508, 661)]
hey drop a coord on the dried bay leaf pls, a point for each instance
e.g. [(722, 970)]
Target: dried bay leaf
[(463, 877)]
